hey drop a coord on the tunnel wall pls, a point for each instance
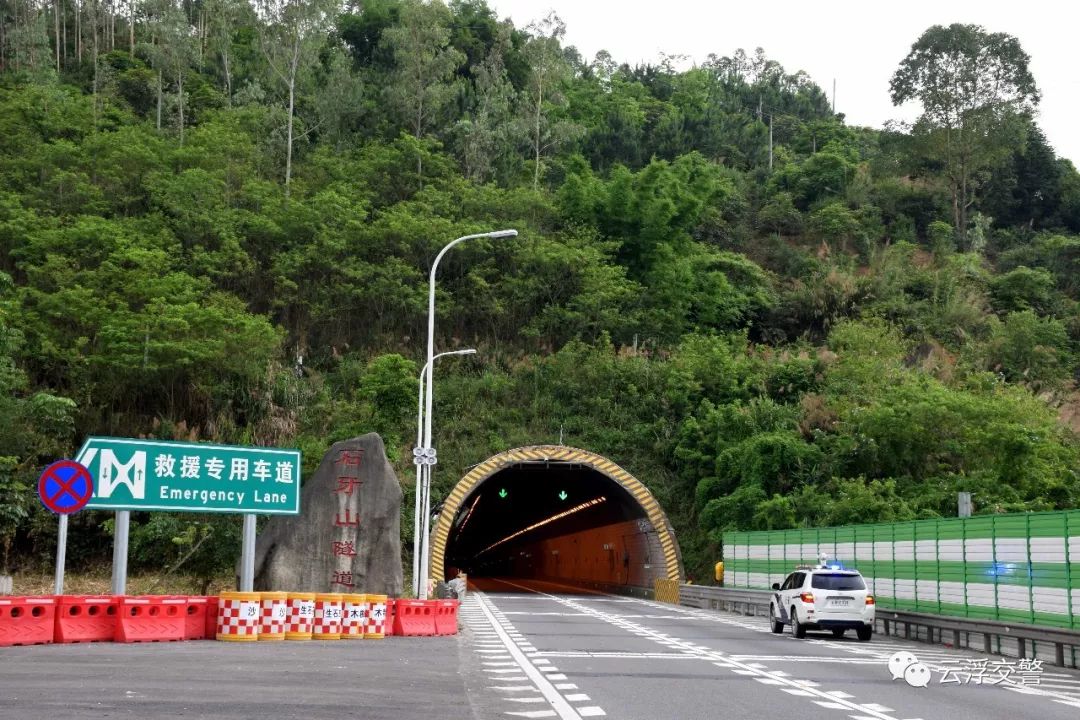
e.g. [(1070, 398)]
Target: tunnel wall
[(626, 553)]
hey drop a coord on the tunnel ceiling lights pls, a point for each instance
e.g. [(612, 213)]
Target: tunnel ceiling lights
[(553, 518), (472, 509)]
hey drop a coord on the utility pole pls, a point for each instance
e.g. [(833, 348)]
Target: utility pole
[(834, 96)]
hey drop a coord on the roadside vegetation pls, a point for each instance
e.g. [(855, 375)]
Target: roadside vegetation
[(217, 219)]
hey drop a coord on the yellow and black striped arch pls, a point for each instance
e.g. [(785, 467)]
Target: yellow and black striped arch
[(554, 453)]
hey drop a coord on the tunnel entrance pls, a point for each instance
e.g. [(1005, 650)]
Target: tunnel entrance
[(556, 513)]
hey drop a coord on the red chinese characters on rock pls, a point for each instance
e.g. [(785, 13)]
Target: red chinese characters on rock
[(346, 548), (349, 458), (349, 520), (346, 485), (343, 578)]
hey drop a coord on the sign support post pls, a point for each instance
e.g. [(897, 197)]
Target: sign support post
[(61, 555), (120, 552), (247, 555), (64, 487)]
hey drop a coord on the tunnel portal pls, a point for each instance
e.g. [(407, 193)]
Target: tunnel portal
[(555, 513)]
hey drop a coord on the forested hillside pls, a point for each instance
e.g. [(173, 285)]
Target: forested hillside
[(217, 220)]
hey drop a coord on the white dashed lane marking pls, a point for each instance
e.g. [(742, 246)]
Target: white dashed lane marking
[(505, 653)]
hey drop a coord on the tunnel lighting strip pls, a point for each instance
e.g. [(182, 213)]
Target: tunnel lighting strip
[(553, 518), (468, 515)]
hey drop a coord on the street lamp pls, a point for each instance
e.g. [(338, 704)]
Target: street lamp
[(495, 235), (420, 466)]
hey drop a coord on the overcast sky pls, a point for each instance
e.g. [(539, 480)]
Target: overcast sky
[(859, 44)]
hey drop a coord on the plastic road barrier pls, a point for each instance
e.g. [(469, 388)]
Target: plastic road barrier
[(375, 625), (446, 615), (198, 606), (152, 618), (238, 616), (274, 615), (85, 618), (414, 617), (391, 613), (211, 617), (301, 610), (27, 620), (327, 625), (353, 616)]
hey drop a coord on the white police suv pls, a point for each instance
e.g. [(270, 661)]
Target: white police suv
[(822, 597)]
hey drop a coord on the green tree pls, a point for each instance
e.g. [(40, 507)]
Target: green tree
[(424, 64), (972, 86), (549, 71), (293, 33)]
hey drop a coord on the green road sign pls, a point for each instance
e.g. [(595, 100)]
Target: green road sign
[(193, 477)]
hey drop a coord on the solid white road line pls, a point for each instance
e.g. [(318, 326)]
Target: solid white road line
[(559, 704)]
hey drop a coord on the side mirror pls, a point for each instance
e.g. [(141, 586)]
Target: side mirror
[(776, 586)]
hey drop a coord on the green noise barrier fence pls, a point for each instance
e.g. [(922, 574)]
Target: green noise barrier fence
[(1015, 567)]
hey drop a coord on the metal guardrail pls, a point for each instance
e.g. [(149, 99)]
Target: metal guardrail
[(932, 628)]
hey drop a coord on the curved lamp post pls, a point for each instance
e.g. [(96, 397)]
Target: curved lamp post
[(425, 550)]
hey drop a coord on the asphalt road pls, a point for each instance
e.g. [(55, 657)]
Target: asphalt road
[(547, 653), (389, 679), (535, 651)]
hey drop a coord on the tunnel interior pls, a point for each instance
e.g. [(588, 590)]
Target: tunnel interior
[(553, 520)]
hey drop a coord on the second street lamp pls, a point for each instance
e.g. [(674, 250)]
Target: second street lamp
[(421, 469)]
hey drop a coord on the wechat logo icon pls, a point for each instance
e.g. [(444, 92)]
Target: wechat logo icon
[(905, 665)]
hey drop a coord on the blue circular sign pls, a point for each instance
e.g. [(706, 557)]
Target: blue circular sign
[(65, 487)]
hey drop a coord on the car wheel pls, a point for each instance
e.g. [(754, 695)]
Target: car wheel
[(777, 624), (838, 632), (797, 630), (865, 633)]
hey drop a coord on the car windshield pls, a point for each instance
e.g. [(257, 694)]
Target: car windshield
[(838, 582)]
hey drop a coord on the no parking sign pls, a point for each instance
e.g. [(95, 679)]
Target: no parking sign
[(65, 487)]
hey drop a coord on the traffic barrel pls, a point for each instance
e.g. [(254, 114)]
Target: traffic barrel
[(327, 624), (85, 618), (150, 618), (238, 617), (375, 626), (446, 617), (414, 617), (274, 614), (198, 607), (353, 616), (27, 620), (301, 609)]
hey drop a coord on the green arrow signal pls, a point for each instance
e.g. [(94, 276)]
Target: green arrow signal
[(502, 492), (563, 495)]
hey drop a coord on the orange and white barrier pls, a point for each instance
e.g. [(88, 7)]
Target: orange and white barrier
[(273, 615), (375, 626), (353, 616), (301, 609), (327, 625), (238, 617)]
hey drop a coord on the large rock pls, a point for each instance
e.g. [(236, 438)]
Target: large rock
[(347, 535)]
